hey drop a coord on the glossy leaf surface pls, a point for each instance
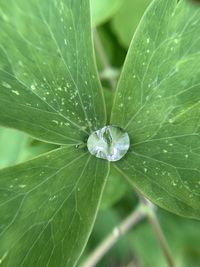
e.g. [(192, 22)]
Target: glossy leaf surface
[(102, 10), (158, 103), (49, 86), (48, 206)]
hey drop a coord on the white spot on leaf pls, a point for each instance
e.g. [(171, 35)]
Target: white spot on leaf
[(15, 92)]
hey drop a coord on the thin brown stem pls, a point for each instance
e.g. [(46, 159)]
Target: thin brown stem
[(103, 57), (158, 232), (135, 217), (150, 213)]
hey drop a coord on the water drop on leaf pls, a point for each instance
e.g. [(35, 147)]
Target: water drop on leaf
[(110, 143)]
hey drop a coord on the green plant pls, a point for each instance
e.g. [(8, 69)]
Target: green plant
[(50, 89)]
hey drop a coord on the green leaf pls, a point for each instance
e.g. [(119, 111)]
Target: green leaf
[(48, 81), (48, 206), (10, 143), (158, 103), (102, 10), (49, 88), (17, 147), (126, 19)]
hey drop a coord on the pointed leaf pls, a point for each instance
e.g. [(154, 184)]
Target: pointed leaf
[(48, 206), (158, 104), (103, 10), (126, 19), (48, 81)]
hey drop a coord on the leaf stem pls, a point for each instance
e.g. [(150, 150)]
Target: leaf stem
[(153, 220), (135, 217), (103, 58)]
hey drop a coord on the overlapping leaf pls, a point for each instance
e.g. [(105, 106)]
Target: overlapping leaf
[(126, 19), (102, 10), (49, 85), (49, 89), (47, 206), (158, 103)]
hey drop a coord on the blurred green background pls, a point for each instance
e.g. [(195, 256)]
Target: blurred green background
[(114, 23)]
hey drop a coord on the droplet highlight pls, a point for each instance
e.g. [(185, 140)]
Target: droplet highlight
[(110, 143)]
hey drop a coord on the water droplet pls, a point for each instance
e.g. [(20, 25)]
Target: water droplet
[(33, 87), (15, 92), (6, 85), (22, 185), (110, 143), (54, 121), (52, 198)]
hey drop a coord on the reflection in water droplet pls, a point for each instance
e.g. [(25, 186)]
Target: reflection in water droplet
[(110, 143)]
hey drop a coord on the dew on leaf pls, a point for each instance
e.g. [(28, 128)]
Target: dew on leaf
[(6, 85), (15, 92), (20, 63), (22, 185), (52, 198), (110, 143), (54, 121), (174, 183)]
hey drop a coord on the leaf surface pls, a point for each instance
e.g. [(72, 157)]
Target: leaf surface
[(48, 206), (102, 10), (126, 19), (48, 81), (11, 143), (49, 88), (158, 103), (16, 147)]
